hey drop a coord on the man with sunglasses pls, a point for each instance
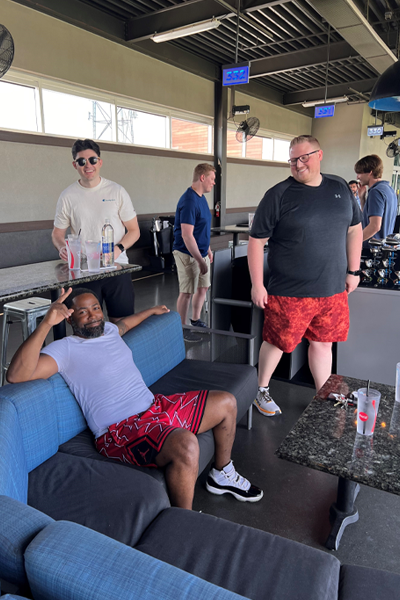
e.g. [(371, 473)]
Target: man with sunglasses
[(313, 227), (84, 206)]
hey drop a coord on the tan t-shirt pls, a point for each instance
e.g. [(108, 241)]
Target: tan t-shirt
[(86, 209)]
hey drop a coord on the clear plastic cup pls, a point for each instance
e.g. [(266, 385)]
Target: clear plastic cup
[(367, 410), (73, 244), (93, 255)]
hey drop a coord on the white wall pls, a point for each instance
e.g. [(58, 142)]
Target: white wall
[(247, 184), (344, 140), (275, 118), (339, 137), (36, 175)]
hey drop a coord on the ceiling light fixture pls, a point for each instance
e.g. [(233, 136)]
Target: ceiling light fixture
[(385, 95), (326, 101), (180, 32)]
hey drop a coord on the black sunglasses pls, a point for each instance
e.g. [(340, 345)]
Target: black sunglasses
[(82, 161)]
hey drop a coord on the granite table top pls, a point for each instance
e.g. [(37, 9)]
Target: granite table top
[(22, 281), (325, 438)]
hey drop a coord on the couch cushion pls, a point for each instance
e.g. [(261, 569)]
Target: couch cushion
[(37, 418), (83, 445), (70, 419), (361, 583), (105, 496), (239, 380), (247, 561), (157, 345), (69, 561), (19, 524), (13, 467)]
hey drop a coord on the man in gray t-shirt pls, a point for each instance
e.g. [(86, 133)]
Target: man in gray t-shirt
[(129, 423), (312, 224)]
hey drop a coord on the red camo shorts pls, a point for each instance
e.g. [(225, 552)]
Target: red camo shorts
[(138, 439), (288, 320)]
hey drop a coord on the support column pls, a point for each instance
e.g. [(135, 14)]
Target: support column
[(220, 145)]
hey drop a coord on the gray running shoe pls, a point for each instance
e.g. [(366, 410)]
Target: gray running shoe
[(265, 404)]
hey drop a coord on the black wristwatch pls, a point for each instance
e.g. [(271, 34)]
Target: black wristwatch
[(120, 246), (356, 273)]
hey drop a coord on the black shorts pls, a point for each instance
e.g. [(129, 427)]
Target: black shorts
[(117, 293)]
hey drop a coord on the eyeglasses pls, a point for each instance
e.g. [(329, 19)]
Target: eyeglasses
[(304, 158), (82, 161)]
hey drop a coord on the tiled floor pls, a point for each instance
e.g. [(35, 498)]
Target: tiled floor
[(296, 499)]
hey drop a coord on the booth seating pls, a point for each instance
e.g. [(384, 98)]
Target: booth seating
[(77, 525)]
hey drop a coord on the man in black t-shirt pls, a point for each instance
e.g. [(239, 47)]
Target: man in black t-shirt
[(313, 225)]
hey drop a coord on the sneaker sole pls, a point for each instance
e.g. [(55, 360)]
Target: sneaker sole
[(266, 413), (220, 492)]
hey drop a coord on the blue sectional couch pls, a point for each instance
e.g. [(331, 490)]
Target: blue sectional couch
[(77, 525)]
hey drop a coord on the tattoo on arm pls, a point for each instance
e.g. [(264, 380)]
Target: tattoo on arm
[(122, 328)]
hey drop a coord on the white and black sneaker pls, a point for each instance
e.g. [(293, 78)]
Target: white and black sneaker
[(265, 404), (228, 481)]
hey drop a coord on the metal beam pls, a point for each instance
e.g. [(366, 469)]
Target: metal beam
[(342, 89), (250, 6), (177, 57), (81, 15), (179, 15), (300, 58), (220, 149), (192, 11)]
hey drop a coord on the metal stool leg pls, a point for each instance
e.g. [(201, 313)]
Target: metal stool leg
[(27, 312), (4, 343)]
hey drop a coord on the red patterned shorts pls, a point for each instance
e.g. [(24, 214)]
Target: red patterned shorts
[(288, 320), (138, 439)]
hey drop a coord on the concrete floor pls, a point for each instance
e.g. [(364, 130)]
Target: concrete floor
[(296, 499)]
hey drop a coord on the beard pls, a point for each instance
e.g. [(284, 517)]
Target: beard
[(88, 332)]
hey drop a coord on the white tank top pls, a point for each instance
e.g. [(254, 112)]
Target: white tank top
[(102, 376)]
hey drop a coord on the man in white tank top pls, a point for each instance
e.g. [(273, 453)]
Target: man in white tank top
[(130, 423)]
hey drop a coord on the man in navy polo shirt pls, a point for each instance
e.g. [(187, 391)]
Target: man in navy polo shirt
[(191, 247)]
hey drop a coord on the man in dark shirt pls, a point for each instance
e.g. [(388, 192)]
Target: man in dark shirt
[(312, 222), (191, 248), (380, 209)]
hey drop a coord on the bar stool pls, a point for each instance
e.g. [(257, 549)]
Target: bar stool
[(26, 311)]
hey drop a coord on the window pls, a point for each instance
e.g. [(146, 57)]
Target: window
[(191, 137), (75, 116), (281, 150), (144, 129), (35, 104), (41, 105), (258, 148), (254, 148), (18, 107), (268, 148), (234, 148)]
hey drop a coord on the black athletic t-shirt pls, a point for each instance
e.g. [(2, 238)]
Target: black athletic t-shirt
[(307, 230)]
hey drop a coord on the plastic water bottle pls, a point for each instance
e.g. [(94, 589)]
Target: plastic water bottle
[(107, 244)]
